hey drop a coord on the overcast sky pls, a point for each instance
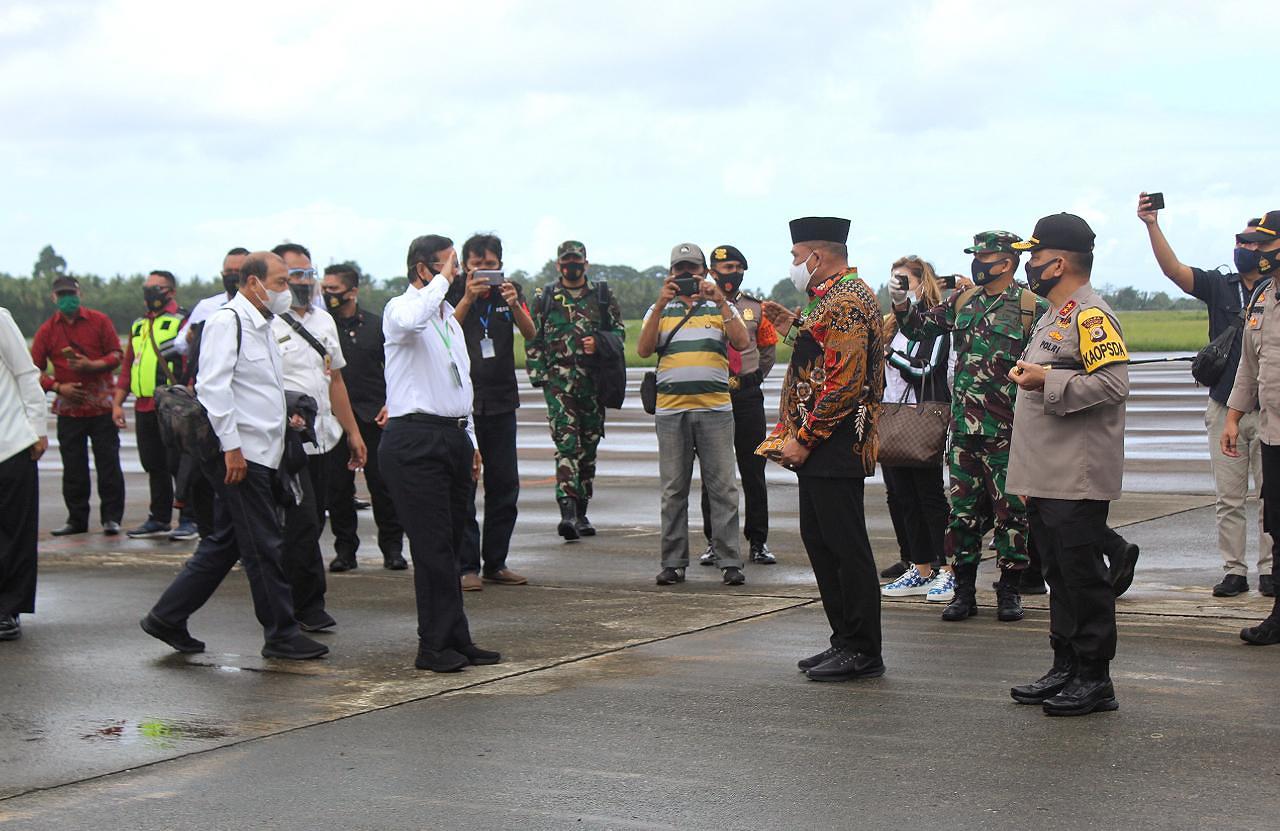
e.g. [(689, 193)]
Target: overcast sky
[(141, 134)]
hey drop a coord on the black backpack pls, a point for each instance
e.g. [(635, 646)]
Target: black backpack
[(609, 363), (184, 423)]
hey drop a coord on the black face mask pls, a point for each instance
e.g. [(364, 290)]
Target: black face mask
[(334, 300), (729, 283), (301, 294), (1034, 281), (231, 282), (156, 297), (982, 271), (573, 272)]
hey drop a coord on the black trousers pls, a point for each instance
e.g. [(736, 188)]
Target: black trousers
[(748, 432), (342, 492), (496, 435), (156, 461), (19, 512), (915, 495), (246, 527), (74, 438), (427, 468), (199, 497), (1271, 506), (1070, 535), (301, 557), (833, 528)]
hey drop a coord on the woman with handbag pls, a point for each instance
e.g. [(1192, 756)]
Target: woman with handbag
[(916, 373)]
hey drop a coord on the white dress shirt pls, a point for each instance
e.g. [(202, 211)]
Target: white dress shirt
[(423, 341), (199, 314), (304, 369), (22, 402), (243, 393)]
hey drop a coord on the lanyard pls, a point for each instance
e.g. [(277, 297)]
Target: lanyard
[(815, 300), (445, 337)]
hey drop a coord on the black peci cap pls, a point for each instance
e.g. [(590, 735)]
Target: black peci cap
[(1061, 232), (820, 229)]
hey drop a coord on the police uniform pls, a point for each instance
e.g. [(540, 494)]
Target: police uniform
[(1067, 457), (747, 371)]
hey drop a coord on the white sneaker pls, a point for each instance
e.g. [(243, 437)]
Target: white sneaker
[(910, 583), (942, 589)]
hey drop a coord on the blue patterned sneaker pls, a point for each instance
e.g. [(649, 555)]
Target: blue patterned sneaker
[(908, 584), (943, 587)]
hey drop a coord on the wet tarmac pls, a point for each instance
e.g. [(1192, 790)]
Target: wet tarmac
[(620, 704)]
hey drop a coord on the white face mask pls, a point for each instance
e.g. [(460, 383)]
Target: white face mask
[(800, 276), (277, 302)]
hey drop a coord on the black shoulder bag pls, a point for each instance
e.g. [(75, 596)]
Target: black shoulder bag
[(609, 363), (649, 384), (1210, 362)]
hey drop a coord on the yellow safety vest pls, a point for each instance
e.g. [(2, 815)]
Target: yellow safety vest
[(146, 371)]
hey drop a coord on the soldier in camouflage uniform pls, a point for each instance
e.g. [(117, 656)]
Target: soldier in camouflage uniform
[(567, 316), (992, 323)]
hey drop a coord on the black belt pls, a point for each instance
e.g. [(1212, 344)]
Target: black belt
[(440, 421)]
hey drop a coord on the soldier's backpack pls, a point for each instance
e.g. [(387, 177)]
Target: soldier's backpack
[(1026, 304)]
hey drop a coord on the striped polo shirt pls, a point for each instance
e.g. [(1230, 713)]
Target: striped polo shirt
[(693, 371)]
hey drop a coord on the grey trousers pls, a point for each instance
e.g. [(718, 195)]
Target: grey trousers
[(1231, 481), (709, 436)]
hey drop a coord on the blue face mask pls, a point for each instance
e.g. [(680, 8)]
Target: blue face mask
[(1246, 260)]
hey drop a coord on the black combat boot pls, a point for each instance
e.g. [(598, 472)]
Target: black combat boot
[(568, 527), (584, 526), (1008, 599), (1052, 682), (965, 603), (1088, 691)]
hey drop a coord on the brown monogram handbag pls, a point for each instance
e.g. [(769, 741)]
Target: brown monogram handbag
[(913, 435)]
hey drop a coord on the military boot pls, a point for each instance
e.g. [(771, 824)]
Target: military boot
[(584, 526), (1052, 682), (568, 527), (1008, 599), (965, 603), (1088, 691)]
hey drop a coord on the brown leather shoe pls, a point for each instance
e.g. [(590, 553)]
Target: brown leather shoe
[(506, 577), (471, 583)]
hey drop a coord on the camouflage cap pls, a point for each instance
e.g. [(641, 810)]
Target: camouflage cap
[(571, 246), (993, 242)]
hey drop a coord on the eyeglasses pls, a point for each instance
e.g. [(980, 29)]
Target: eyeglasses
[(302, 273)]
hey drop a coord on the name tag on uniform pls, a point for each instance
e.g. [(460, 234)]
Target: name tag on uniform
[(486, 348)]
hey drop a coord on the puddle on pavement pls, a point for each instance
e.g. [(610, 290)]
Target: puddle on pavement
[(154, 732)]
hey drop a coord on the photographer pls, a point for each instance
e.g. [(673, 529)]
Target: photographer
[(694, 415), (1224, 295)]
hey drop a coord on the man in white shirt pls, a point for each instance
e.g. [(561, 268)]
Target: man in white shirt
[(190, 330), (23, 440), (428, 454), (312, 361), (241, 385)]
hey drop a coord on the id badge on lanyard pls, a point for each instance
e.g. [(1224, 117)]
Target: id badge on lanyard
[(447, 340), (486, 343)]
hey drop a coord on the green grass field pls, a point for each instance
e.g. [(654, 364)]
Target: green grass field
[(1143, 332)]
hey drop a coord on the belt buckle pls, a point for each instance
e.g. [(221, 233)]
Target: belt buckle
[(462, 424), (735, 383)]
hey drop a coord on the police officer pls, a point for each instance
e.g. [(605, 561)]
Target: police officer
[(992, 323), (1257, 379), (747, 371), (1067, 457), (567, 316)]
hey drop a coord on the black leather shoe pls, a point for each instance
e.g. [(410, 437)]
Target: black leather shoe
[(395, 562), (1082, 696), (444, 660), (297, 648), (670, 576), (10, 628), (708, 557), (341, 564), (813, 660), (1122, 565), (1047, 685), (320, 621), (1230, 586), (568, 527), (111, 528), (733, 576), (69, 529), (894, 571), (847, 666), (1009, 605), (1267, 585), (961, 607), (1264, 634), (477, 656), (584, 526), (761, 555), (176, 636)]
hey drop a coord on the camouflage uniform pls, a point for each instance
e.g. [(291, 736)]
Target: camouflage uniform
[(990, 336), (555, 363)]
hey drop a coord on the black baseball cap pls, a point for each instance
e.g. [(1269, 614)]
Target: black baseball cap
[(1268, 229), (1061, 232), (65, 283)]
